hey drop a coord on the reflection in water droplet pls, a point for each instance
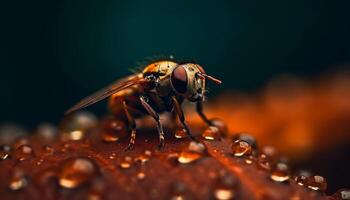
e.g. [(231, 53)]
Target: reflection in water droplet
[(317, 183), (211, 133), (18, 180), (241, 148), (226, 186), (4, 151), (113, 129), (76, 171), (182, 133), (280, 173), (75, 126), (24, 152)]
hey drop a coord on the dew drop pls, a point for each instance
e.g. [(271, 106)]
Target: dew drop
[(249, 160), (126, 163), (113, 129), (211, 133), (48, 150), (186, 157), (224, 194), (247, 138), (76, 171), (178, 191), (226, 187), (342, 194), (24, 152), (10, 132), (5, 152), (280, 172), (264, 162), (301, 180), (112, 156), (141, 175), (221, 125), (142, 159), (194, 151), (18, 180), (196, 147), (182, 133), (241, 148), (317, 183), (75, 126), (47, 132)]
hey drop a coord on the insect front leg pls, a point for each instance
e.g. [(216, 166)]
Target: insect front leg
[(199, 109), (132, 125), (155, 115), (181, 116)]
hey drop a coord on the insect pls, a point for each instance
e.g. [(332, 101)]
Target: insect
[(161, 87)]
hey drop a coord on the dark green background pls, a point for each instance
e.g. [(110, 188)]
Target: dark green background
[(55, 52)]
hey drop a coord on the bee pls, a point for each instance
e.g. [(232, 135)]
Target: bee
[(161, 87)]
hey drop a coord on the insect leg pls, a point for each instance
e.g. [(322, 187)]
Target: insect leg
[(132, 125), (155, 115), (199, 109), (181, 116)]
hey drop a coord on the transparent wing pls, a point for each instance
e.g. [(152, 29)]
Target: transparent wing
[(106, 92)]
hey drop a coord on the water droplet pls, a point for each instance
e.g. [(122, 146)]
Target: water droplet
[(5, 152), (224, 194), (148, 153), (113, 129), (141, 175), (270, 152), (126, 163), (24, 152), (301, 180), (178, 191), (280, 172), (225, 187), (247, 138), (317, 183), (241, 148), (211, 133), (194, 151), (47, 132), (188, 157), (196, 147), (10, 132), (39, 162), (264, 162), (182, 133), (75, 126), (18, 180), (249, 160), (142, 159), (342, 194), (221, 125), (76, 171), (48, 150), (112, 156)]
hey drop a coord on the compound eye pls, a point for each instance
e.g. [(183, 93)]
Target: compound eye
[(179, 79)]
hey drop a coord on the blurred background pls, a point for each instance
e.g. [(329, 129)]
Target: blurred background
[(282, 61)]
